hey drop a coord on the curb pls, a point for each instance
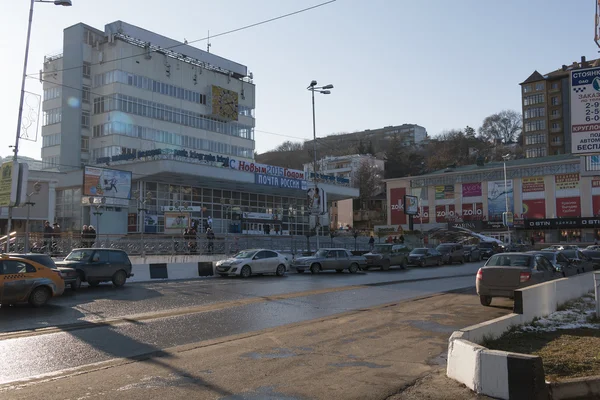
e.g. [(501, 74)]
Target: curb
[(579, 388)]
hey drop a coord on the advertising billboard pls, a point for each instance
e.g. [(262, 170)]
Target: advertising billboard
[(411, 205), (444, 213), (443, 192), (534, 209), (176, 222), (8, 184), (397, 214), (568, 207), (105, 182), (316, 200), (472, 211), (567, 182), (497, 195), (585, 111), (471, 189), (533, 184), (423, 216)]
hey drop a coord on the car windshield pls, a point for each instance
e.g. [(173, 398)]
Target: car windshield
[(419, 251), (509, 260), (570, 253), (321, 253), (245, 254), (382, 248), (78, 255), (443, 248), (486, 245)]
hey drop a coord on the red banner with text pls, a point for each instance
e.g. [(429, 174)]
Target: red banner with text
[(568, 207), (422, 219), (397, 215), (596, 206), (534, 209), (472, 211), (444, 213)]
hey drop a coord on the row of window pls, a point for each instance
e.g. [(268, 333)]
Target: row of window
[(533, 99), (50, 162), (53, 116), (52, 93), (536, 152), (539, 138), (158, 136), (150, 109), (51, 140), (535, 112), (110, 151), (539, 86), (537, 125), (142, 82)]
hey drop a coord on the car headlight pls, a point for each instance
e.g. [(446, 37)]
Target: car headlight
[(236, 262)]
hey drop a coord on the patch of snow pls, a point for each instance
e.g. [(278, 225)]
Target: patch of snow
[(576, 316)]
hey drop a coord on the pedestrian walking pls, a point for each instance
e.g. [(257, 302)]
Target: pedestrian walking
[(210, 236), (91, 235), (371, 243), (55, 237), (48, 232)]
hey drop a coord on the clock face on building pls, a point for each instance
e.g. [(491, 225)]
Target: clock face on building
[(224, 103)]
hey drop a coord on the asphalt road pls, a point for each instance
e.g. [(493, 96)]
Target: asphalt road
[(147, 318)]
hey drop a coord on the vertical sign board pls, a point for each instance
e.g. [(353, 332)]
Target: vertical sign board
[(9, 184), (397, 215), (585, 111)]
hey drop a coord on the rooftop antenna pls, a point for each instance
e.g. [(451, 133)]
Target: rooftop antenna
[(208, 43)]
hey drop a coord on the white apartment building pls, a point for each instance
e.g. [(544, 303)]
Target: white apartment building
[(343, 167)]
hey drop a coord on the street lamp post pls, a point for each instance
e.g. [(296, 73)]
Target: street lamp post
[(323, 90), (22, 98), (142, 209), (98, 205), (36, 189)]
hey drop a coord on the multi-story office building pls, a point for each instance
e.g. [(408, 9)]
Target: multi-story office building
[(546, 111), (168, 124)]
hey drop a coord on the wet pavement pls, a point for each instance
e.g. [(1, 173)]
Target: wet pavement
[(30, 356)]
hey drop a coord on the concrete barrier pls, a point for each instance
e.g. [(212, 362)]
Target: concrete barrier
[(171, 271), (502, 374)]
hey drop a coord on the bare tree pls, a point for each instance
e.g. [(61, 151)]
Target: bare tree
[(368, 179), (290, 146), (505, 126)]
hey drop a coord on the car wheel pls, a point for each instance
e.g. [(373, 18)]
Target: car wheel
[(385, 265), (485, 300), (339, 271), (461, 260), (353, 268), (422, 264), (119, 278), (39, 296), (280, 271), (93, 283), (300, 271), (246, 271), (315, 268), (440, 263), (404, 264), (76, 285)]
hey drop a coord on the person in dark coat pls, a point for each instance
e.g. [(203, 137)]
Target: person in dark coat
[(210, 235), (91, 235), (85, 236), (48, 232)]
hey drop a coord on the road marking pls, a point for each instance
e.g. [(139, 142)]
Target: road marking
[(205, 308)]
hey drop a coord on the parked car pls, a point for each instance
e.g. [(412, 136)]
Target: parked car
[(70, 276), (559, 261), (25, 280), (594, 255), (472, 253), (594, 247), (516, 248), (451, 252), (423, 257), (503, 273), (254, 262), (95, 266), (488, 249), (580, 259), (558, 247), (330, 259), (386, 255)]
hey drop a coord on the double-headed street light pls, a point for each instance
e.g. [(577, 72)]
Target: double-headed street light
[(323, 90), (66, 3)]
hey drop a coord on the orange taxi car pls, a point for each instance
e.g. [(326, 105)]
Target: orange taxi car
[(28, 281)]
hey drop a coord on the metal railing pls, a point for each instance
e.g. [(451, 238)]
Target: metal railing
[(60, 246)]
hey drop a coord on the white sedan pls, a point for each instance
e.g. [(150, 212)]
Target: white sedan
[(255, 261)]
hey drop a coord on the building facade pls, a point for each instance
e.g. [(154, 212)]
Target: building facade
[(545, 101), (551, 201), (150, 134)]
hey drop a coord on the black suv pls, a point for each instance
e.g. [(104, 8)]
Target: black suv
[(488, 249), (99, 265), (451, 252)]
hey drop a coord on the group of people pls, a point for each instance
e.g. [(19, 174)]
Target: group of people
[(191, 236), (51, 234), (88, 236)]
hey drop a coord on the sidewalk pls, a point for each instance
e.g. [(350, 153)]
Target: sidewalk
[(390, 352)]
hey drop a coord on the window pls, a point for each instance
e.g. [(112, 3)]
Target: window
[(51, 140), (535, 112), (539, 86), (85, 144), (555, 100), (118, 257), (85, 94), (555, 114), (85, 119), (557, 140), (50, 162), (555, 126), (554, 85), (52, 93), (87, 70), (53, 116), (539, 138), (537, 125), (10, 267), (536, 152), (527, 89), (100, 256), (533, 99)]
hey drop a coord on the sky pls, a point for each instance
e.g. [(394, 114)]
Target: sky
[(436, 63)]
